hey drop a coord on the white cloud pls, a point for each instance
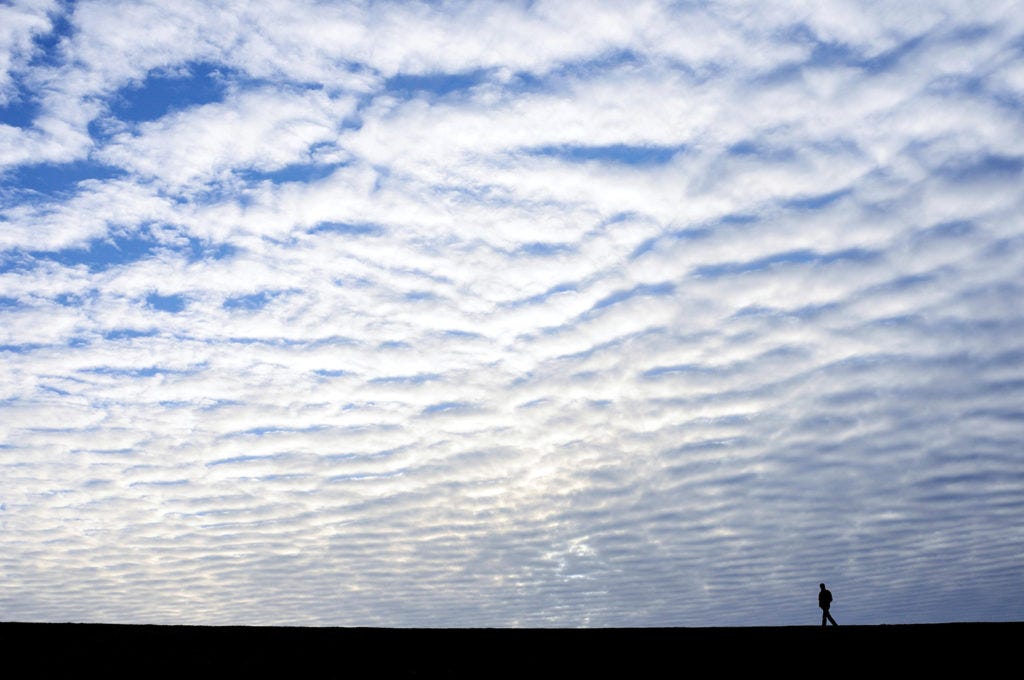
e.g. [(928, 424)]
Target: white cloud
[(20, 24), (658, 302), (259, 130)]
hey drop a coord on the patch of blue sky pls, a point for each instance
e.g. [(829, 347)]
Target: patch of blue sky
[(332, 373), (362, 282), (541, 297), (421, 296), (863, 363), (1008, 359), (162, 93), (447, 407), (756, 311), (168, 482), (248, 525), (803, 312), (623, 154), (851, 397), (792, 257), (23, 348), (75, 299), (47, 45), (363, 476), (1005, 386), (475, 193), (248, 302), (677, 370), (642, 290), (215, 191), (736, 218), (115, 250), (206, 404), (98, 254), (764, 152), (167, 303), (235, 460), (254, 301), (694, 233), (902, 284), (7, 302), (329, 341), (1005, 500), (20, 109), (294, 173), (884, 61), (1013, 100), (103, 452), (827, 53), (276, 429), (542, 249), (816, 201), (731, 419), (435, 84), (782, 352), (461, 335), (524, 82), (984, 168), (697, 468), (146, 372), (44, 180), (951, 229), (199, 249), (348, 228), (417, 379), (669, 237), (614, 344), (998, 324), (737, 478), (15, 260), (363, 456), (969, 478), (813, 311), (973, 33), (282, 477), (961, 86), (602, 63), (622, 216)]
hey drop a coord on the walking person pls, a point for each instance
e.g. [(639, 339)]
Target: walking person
[(825, 601)]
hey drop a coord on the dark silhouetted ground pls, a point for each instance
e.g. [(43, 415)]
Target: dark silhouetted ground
[(33, 650)]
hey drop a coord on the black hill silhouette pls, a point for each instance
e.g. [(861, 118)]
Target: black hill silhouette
[(55, 650)]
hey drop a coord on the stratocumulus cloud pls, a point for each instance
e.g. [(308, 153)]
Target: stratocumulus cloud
[(511, 314)]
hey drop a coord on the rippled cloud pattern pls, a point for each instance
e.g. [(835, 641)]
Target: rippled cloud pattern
[(511, 314)]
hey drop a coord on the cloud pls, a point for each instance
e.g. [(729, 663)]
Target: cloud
[(23, 22), (259, 131), (510, 314)]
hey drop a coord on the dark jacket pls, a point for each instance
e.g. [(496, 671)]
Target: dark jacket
[(824, 599)]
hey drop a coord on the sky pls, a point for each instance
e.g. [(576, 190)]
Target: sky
[(511, 314)]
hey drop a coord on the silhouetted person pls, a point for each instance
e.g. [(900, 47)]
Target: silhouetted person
[(825, 601)]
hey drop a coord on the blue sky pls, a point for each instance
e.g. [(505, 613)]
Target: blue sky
[(511, 314)]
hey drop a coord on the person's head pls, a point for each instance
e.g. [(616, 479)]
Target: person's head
[(822, 586)]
